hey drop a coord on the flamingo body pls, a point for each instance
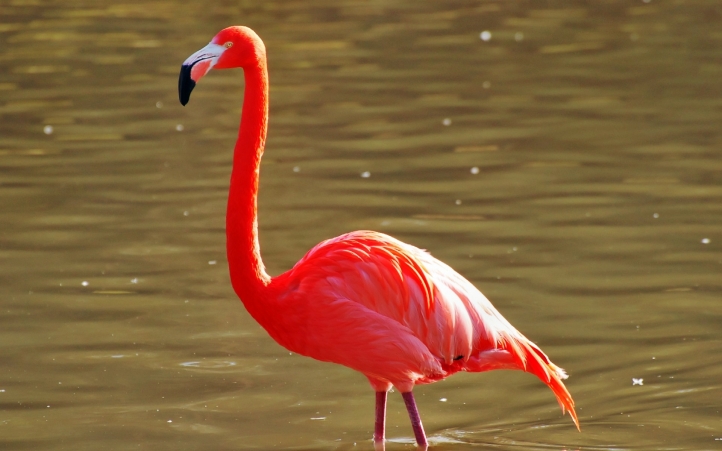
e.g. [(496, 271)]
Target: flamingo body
[(364, 299)]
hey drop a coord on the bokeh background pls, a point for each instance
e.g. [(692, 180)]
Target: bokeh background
[(567, 162)]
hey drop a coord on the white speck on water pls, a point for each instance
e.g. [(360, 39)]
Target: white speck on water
[(475, 170), (513, 249), (446, 122), (118, 356), (186, 213), (159, 104), (485, 36), (134, 280), (170, 421), (186, 301), (84, 283), (486, 85), (636, 381), (2, 391), (458, 202), (212, 262), (518, 36), (443, 400), (365, 174), (48, 407), (48, 129), (705, 240), (653, 358), (179, 127), (318, 418), (655, 216), (296, 169)]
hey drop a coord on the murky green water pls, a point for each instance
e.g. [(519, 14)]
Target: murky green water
[(592, 219)]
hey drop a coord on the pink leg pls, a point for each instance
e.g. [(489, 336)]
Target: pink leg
[(380, 424), (415, 419)]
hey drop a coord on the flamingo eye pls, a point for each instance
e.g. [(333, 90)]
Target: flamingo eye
[(228, 45)]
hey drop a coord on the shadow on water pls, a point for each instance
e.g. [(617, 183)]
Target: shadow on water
[(566, 162)]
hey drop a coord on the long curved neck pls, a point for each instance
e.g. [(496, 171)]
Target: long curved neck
[(248, 275)]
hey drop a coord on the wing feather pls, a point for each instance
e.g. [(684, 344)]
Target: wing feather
[(424, 297)]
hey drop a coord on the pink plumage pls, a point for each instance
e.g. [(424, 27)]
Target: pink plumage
[(399, 316), (364, 299)]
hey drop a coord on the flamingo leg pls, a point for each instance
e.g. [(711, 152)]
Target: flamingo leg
[(415, 419), (380, 424)]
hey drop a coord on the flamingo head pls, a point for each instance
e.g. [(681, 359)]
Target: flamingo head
[(231, 47)]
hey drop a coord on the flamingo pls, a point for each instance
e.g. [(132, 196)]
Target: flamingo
[(364, 299)]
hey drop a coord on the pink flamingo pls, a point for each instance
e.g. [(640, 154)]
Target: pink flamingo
[(364, 299)]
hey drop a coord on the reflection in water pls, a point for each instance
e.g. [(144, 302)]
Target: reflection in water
[(592, 221)]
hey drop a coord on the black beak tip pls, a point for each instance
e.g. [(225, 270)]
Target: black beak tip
[(185, 84)]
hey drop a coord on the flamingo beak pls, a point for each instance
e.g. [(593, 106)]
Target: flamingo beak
[(195, 67)]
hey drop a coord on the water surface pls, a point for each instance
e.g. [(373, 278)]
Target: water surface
[(569, 167)]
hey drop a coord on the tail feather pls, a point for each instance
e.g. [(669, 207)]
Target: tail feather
[(521, 354), (539, 364)]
